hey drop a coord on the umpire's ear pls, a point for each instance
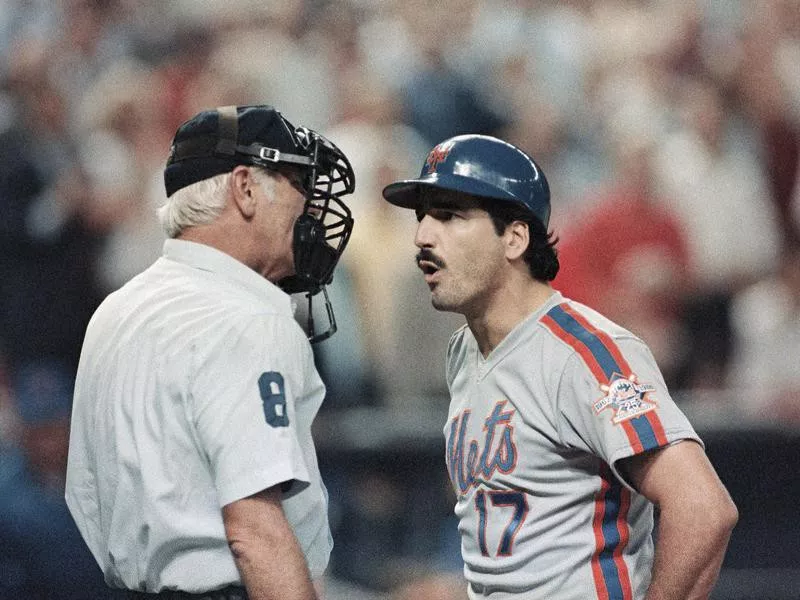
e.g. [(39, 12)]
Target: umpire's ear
[(517, 236), (241, 185)]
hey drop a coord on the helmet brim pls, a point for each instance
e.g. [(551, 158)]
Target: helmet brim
[(406, 193)]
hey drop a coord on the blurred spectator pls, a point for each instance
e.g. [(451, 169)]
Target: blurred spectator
[(437, 100), (576, 162), (403, 342), (178, 68), (387, 46), (716, 183), (42, 554), (47, 247), (264, 45), (123, 145), (626, 255), (719, 186), (88, 37), (48, 291), (767, 84), (766, 323), (440, 104), (533, 63)]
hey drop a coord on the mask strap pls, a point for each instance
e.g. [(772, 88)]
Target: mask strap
[(228, 129), (313, 336)]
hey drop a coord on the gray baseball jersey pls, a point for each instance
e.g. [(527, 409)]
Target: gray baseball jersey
[(196, 388), (533, 436)]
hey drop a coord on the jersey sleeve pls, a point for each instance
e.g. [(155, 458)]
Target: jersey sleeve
[(243, 407), (614, 402)]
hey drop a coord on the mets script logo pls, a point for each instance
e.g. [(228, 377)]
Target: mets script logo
[(626, 398), (437, 155), (469, 462)]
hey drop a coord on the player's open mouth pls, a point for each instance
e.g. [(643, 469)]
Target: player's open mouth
[(429, 264), (427, 267), (430, 272)]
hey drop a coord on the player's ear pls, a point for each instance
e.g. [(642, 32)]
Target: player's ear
[(242, 190), (517, 237)]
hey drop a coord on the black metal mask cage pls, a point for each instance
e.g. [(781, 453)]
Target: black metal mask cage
[(323, 230), (321, 233)]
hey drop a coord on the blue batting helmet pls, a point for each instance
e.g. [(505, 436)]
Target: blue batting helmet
[(479, 165)]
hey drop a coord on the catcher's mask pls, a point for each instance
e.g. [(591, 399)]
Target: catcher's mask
[(216, 141)]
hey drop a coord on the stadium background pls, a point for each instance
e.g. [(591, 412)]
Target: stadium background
[(669, 131)]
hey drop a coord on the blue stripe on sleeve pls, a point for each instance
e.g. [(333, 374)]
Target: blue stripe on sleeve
[(645, 432), (592, 342)]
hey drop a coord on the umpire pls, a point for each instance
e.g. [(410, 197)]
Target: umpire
[(192, 472)]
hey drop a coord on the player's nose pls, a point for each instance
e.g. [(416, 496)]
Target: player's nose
[(425, 232)]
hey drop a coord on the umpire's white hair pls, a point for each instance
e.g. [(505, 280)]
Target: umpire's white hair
[(202, 202)]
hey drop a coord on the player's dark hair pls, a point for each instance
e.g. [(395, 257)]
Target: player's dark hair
[(541, 255)]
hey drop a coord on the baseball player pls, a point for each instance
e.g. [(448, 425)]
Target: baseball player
[(561, 436), (192, 471)]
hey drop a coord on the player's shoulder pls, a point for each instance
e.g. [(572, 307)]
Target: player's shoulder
[(591, 348), (577, 328), (457, 345), (457, 350)]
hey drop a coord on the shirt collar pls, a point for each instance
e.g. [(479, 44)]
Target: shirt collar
[(207, 258)]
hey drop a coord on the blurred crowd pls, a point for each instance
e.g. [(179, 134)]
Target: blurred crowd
[(669, 132)]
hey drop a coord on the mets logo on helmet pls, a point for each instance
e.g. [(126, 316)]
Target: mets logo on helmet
[(437, 155), (627, 398)]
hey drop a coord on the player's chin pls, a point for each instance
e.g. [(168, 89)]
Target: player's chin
[(440, 303)]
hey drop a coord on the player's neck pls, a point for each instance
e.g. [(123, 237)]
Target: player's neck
[(505, 310)]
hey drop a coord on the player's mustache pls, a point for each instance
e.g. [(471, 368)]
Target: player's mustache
[(427, 255)]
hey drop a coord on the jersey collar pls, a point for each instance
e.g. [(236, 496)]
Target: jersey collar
[(520, 332)]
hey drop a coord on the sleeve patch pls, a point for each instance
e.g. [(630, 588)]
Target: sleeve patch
[(270, 384), (627, 398)]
